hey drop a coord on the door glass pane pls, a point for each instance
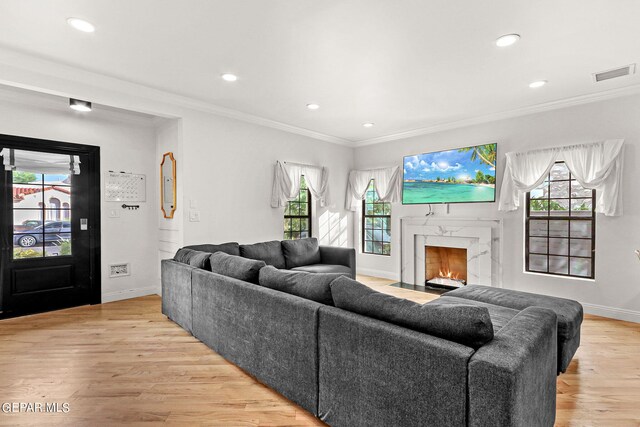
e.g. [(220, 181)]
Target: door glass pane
[(25, 253), (57, 179), (41, 215)]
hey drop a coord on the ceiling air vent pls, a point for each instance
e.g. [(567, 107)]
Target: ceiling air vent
[(612, 74)]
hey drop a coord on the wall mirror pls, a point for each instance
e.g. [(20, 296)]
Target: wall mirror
[(168, 185)]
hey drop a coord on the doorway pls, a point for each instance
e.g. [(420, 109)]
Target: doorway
[(49, 225)]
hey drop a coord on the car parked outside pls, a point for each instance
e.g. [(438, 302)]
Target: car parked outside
[(52, 232)]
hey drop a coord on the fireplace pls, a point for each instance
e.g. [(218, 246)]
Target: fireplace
[(445, 266)]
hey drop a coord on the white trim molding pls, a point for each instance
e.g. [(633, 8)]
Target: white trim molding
[(612, 312)]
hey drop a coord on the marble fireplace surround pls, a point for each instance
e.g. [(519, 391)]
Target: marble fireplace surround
[(482, 238)]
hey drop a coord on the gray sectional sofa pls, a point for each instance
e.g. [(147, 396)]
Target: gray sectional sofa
[(351, 369)]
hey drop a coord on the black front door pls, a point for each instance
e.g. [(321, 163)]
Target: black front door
[(50, 230)]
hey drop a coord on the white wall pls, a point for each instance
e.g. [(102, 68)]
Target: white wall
[(228, 169), (616, 290), (126, 144)]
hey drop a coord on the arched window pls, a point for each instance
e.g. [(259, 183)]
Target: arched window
[(66, 212), (54, 212)]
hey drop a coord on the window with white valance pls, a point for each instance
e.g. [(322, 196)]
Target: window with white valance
[(286, 183), (39, 162), (387, 183), (596, 166)]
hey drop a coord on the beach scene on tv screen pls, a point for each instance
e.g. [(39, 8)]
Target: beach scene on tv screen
[(452, 176)]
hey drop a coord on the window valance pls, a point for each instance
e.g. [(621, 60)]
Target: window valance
[(286, 183), (39, 162), (387, 183), (595, 166)]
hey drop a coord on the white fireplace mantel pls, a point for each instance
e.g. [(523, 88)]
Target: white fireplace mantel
[(479, 236)]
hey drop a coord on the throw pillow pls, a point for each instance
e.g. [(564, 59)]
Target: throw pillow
[(312, 286), (464, 324), (236, 267), (269, 252), (231, 248), (196, 259), (301, 252)]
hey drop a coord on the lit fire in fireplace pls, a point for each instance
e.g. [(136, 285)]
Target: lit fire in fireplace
[(448, 275), (447, 278)]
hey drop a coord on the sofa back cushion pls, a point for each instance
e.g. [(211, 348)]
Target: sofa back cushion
[(464, 324), (196, 259), (312, 286), (300, 252), (236, 267), (231, 248), (269, 252)]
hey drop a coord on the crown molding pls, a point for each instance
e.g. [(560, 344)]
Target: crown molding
[(539, 108), (40, 74), (18, 61)]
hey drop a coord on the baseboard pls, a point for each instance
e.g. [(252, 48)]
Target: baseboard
[(612, 312), (378, 273), (129, 293)]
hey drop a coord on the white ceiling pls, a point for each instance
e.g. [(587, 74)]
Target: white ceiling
[(403, 64)]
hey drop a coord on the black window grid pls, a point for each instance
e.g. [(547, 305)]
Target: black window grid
[(64, 214), (571, 216), (375, 212), (297, 215)]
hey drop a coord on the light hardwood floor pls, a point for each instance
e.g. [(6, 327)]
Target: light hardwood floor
[(125, 363)]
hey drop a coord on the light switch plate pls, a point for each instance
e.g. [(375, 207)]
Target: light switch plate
[(194, 216)]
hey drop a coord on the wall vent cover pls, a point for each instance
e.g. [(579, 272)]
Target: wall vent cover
[(118, 270), (612, 74)]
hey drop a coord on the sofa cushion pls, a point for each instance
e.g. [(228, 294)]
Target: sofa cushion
[(311, 286), (269, 252), (465, 324), (196, 259), (231, 248), (569, 312), (301, 252), (236, 267), (324, 268), (500, 316)]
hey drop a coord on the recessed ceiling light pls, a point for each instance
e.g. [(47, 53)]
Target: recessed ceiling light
[(229, 77), (78, 105), (368, 125), (507, 40), (313, 106), (81, 25), (538, 83)]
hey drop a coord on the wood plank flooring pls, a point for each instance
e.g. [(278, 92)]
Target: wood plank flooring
[(125, 363)]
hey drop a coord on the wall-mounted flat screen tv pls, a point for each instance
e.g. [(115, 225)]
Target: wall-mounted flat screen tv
[(462, 175)]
